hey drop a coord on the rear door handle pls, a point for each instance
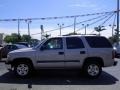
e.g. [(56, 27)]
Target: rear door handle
[(61, 53), (82, 52)]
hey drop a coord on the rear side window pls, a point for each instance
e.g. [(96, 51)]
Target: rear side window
[(74, 43), (98, 42)]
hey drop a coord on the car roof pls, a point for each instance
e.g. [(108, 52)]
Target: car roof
[(20, 46), (77, 36)]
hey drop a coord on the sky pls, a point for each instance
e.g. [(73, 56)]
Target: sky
[(10, 9)]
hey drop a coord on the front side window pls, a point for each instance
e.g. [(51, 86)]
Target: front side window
[(74, 43), (54, 43)]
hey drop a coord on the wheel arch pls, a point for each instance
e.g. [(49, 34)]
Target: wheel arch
[(25, 60), (94, 59)]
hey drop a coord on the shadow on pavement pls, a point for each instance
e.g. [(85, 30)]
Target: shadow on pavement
[(58, 77)]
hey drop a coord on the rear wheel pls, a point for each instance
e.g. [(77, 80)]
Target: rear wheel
[(22, 69), (92, 69)]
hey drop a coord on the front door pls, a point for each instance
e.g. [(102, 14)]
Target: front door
[(51, 54)]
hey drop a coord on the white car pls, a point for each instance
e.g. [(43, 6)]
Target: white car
[(89, 53)]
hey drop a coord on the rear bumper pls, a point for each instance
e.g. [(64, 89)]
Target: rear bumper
[(117, 55), (9, 67)]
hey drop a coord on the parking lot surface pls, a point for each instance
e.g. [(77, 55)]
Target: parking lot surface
[(61, 80)]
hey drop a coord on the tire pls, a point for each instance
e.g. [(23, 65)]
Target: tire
[(22, 69), (92, 69)]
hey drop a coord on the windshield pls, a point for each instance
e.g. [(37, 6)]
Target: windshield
[(39, 44)]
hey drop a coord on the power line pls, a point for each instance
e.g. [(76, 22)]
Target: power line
[(105, 16), (62, 17), (107, 19), (73, 24), (99, 20)]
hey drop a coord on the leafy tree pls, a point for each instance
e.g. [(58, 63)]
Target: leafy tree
[(99, 29), (13, 38), (26, 38), (8, 39), (113, 39)]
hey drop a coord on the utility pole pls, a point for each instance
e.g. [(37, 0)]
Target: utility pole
[(19, 37), (74, 24), (28, 22), (60, 25), (18, 27), (118, 22)]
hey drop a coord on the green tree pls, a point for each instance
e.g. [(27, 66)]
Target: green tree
[(113, 39), (26, 38), (13, 38), (99, 29), (8, 39)]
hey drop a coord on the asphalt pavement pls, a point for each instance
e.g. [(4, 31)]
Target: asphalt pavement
[(61, 80)]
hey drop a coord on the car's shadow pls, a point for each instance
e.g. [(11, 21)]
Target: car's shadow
[(58, 77)]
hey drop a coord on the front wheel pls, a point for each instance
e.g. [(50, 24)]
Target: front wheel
[(22, 69), (92, 69)]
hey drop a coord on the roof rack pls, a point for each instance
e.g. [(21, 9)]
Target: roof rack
[(81, 35)]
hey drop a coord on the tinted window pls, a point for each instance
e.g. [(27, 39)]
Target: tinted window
[(54, 43), (98, 42), (74, 43), (14, 47), (8, 46)]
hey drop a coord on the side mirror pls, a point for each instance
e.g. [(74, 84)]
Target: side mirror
[(42, 48)]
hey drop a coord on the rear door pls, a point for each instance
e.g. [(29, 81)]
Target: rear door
[(75, 52)]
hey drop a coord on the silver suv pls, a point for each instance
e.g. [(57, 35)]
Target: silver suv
[(89, 53)]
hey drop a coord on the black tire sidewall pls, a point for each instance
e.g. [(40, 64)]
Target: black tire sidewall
[(29, 71), (85, 69)]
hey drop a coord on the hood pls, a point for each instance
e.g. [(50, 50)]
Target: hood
[(23, 50)]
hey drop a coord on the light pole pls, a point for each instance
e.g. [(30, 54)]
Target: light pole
[(74, 24), (19, 38), (112, 26), (85, 27), (28, 22), (18, 27), (118, 22), (42, 31), (60, 25)]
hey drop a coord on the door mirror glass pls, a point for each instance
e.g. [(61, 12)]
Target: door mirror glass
[(42, 48)]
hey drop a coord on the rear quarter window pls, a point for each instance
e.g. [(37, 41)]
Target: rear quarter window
[(98, 42)]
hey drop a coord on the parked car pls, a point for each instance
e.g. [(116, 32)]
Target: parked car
[(89, 53), (7, 48), (1, 47), (23, 43), (117, 51)]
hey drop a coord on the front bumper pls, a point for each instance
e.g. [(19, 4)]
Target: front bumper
[(8, 65)]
